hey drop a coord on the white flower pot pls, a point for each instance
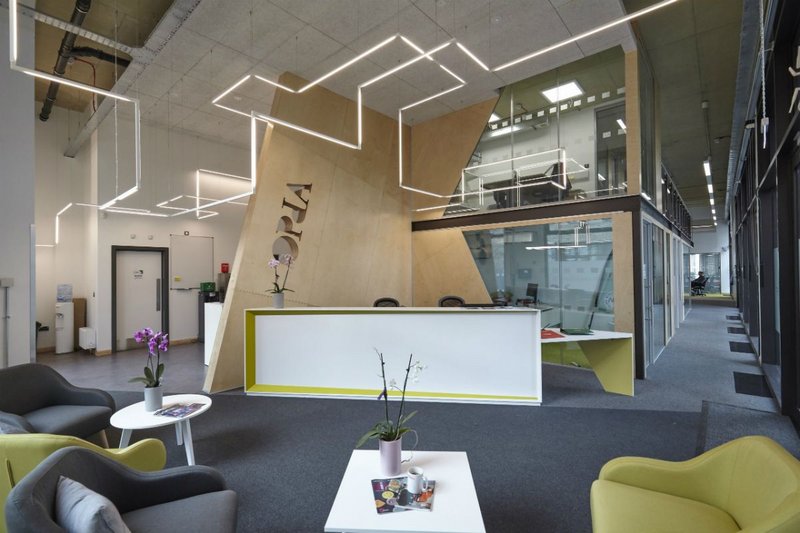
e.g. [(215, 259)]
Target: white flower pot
[(390, 451), (153, 398), (277, 300)]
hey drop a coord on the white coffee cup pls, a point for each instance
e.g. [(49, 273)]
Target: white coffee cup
[(417, 482)]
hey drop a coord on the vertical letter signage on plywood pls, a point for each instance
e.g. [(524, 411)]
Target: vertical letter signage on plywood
[(286, 243)]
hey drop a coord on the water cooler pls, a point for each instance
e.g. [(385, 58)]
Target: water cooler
[(65, 332)]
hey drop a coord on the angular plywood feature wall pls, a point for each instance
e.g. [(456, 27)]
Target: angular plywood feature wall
[(443, 265), (440, 148), (353, 237)]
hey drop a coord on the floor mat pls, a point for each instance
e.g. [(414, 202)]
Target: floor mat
[(752, 384), (737, 331), (732, 317), (741, 347)]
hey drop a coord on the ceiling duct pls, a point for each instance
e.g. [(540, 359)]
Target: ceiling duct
[(64, 53)]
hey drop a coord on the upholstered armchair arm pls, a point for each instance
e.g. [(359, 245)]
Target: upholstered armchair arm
[(144, 489), (148, 455), (701, 478), (68, 394), (16, 421)]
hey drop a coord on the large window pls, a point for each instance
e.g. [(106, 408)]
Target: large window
[(565, 269)]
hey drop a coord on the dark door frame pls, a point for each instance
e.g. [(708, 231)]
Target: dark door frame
[(164, 286)]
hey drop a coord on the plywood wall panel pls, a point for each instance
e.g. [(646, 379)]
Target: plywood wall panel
[(443, 265), (440, 149), (356, 237)]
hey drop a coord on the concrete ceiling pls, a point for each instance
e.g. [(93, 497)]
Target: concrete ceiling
[(126, 22), (224, 39), (693, 47)]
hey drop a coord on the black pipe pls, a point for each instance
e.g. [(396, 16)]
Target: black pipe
[(85, 51), (67, 43)]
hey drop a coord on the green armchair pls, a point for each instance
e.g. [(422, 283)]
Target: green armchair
[(750, 484), (19, 454)]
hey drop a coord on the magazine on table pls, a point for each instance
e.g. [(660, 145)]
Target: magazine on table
[(179, 410), (391, 496)]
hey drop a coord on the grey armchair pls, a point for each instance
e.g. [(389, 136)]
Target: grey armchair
[(37, 399), (187, 498)]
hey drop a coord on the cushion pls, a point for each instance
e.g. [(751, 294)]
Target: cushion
[(76, 420), (213, 512), (10, 429), (81, 510), (621, 508)]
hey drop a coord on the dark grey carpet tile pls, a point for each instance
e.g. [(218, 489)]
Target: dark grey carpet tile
[(740, 347), (737, 331), (723, 423), (752, 384), (532, 467)]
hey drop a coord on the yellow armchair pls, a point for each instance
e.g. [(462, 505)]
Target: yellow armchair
[(750, 485), (19, 454)]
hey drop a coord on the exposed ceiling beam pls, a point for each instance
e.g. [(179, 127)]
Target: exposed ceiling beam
[(172, 20)]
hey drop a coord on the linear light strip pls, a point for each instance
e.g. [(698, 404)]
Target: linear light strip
[(274, 83), (473, 56), (233, 87), (429, 98), (216, 173), (347, 64), (585, 34), (406, 64), (212, 204), (270, 119)]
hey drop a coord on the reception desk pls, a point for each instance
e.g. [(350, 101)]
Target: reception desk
[(487, 355)]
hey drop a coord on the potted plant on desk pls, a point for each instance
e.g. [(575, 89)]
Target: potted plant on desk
[(390, 432), (154, 369), (279, 288)]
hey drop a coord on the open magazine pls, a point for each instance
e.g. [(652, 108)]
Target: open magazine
[(391, 496), (179, 410)]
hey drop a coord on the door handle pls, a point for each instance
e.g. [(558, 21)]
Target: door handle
[(158, 294)]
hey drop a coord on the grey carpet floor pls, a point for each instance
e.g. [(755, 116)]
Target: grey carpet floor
[(722, 423), (532, 467)]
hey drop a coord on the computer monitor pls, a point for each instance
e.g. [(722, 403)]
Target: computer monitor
[(533, 292)]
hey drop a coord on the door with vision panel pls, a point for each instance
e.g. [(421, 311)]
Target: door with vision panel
[(138, 294)]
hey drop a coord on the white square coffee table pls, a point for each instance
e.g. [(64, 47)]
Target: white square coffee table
[(455, 503)]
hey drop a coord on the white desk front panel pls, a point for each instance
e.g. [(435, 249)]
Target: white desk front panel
[(479, 355)]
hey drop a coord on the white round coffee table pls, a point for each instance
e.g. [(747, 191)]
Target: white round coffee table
[(135, 417)]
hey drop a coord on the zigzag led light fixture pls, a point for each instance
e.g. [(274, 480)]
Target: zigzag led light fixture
[(256, 116), (13, 58), (199, 208)]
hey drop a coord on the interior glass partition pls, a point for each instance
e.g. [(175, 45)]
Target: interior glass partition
[(556, 137), (564, 269)]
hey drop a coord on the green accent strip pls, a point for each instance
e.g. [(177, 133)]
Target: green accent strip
[(339, 391), (249, 349)]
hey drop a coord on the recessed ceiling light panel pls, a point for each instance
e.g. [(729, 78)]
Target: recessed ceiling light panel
[(562, 92)]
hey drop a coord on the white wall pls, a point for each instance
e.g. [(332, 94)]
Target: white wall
[(16, 191), (59, 181), (715, 241), (169, 159)]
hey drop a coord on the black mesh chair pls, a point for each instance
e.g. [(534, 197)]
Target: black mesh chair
[(451, 301), (699, 289), (386, 302)]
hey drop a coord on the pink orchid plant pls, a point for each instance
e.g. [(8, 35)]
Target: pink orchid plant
[(156, 343), (274, 263)]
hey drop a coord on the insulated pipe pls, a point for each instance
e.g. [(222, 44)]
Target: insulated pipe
[(85, 51), (67, 43)]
